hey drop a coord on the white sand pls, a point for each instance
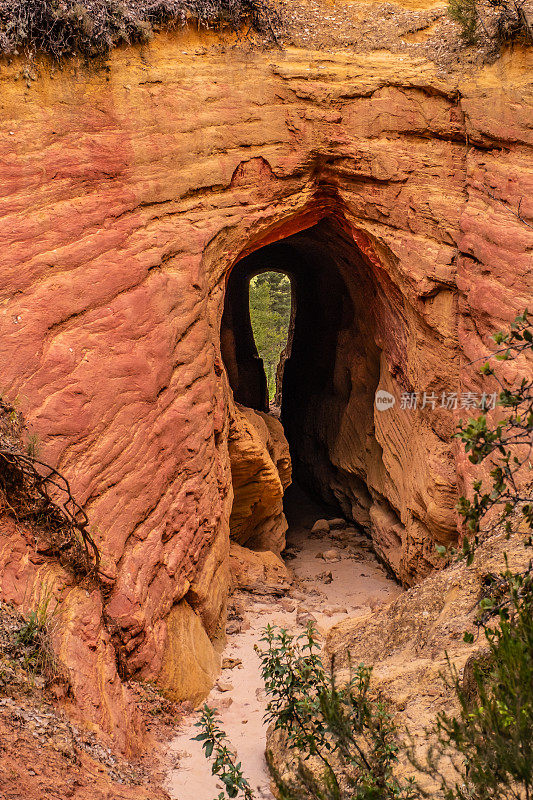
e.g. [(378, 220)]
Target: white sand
[(359, 585)]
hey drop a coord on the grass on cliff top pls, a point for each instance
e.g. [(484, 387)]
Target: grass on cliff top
[(93, 27)]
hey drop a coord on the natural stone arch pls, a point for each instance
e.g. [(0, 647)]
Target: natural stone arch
[(352, 332)]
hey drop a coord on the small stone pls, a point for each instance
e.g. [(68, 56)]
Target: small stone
[(290, 553), (332, 555), (224, 686), (337, 522), (325, 577), (287, 605), (304, 617), (298, 595), (233, 627), (222, 703), (231, 663), (320, 526), (349, 531)]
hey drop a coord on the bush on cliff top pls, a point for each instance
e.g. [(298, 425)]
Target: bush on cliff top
[(496, 22), (93, 27)]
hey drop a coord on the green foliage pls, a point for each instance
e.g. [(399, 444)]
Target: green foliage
[(37, 622), (488, 746), (224, 765), (508, 444), (349, 732), (29, 631), (270, 312), (32, 445), (489, 743), (492, 22), (465, 13), (32, 639)]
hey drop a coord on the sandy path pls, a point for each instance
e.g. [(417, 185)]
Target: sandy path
[(358, 584)]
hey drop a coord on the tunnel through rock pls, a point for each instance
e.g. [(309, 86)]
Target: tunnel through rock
[(348, 337)]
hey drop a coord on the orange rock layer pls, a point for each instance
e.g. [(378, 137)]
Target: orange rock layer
[(129, 192)]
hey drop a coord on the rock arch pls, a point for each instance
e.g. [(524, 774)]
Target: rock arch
[(354, 330)]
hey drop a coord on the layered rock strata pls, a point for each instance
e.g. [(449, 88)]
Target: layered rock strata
[(129, 194)]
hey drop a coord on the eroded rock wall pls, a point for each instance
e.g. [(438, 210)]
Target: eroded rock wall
[(130, 191), (260, 473)]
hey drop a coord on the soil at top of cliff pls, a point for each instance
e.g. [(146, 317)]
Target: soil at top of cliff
[(420, 29), (410, 28)]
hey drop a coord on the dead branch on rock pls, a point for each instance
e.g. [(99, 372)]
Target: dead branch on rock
[(34, 492)]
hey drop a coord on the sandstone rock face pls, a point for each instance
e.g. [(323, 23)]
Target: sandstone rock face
[(260, 473), (129, 195), (260, 572), (191, 662), (80, 637)]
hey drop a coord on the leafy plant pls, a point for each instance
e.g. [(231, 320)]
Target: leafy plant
[(217, 748), (492, 22), (32, 445), (465, 13), (35, 624), (486, 749), (347, 730), (508, 443), (32, 639)]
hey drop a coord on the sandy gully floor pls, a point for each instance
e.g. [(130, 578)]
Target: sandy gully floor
[(335, 575)]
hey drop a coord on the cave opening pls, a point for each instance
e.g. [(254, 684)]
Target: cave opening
[(272, 316), (332, 363)]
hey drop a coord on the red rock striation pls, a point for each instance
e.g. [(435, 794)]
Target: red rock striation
[(129, 194)]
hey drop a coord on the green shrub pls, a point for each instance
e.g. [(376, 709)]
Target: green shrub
[(465, 13), (217, 747), (344, 737), (485, 750), (492, 22), (345, 730), (488, 744)]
